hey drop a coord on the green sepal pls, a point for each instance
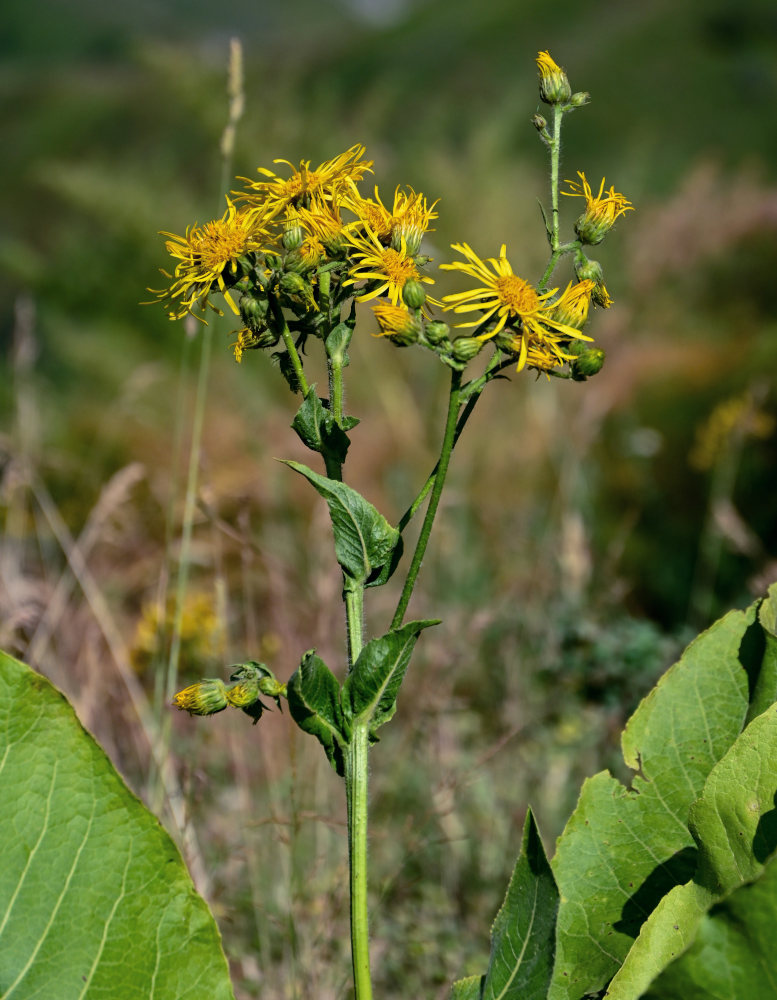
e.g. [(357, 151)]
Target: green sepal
[(371, 688), (318, 430), (314, 703), (364, 540)]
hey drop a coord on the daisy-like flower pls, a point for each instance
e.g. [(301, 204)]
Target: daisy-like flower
[(324, 225), (408, 219), (206, 254), (304, 186), (601, 210), (554, 85), (533, 333), (391, 269)]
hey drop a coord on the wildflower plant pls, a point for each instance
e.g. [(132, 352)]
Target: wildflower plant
[(297, 248)]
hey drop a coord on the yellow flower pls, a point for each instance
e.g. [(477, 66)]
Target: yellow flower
[(601, 210), (571, 307), (533, 333), (245, 342), (408, 219), (306, 185), (324, 225), (554, 85), (207, 254), (397, 323), (203, 698), (390, 268)]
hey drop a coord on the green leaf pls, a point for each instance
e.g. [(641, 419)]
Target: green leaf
[(523, 935), (364, 540), (764, 685), (95, 901), (734, 823), (337, 343), (623, 848), (467, 989), (371, 688), (318, 429), (314, 703), (733, 954)]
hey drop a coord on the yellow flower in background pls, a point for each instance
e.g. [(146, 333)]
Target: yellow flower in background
[(739, 417), (304, 185), (205, 254), (554, 85), (540, 338), (601, 210), (408, 219), (390, 268)]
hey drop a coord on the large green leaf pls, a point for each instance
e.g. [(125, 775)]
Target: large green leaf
[(623, 848), (364, 540), (734, 823), (314, 703), (371, 688), (523, 933), (95, 901)]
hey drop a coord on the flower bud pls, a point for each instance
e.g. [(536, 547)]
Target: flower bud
[(588, 363), (466, 348), (397, 323), (253, 312), (203, 698), (295, 286), (413, 294), (580, 99), (554, 85), (293, 235), (436, 332)]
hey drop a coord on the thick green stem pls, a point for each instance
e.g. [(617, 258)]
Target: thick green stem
[(448, 441), (356, 794), (554, 146)]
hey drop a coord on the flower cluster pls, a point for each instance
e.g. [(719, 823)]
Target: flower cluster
[(298, 245), (249, 681)]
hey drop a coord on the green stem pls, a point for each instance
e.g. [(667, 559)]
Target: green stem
[(471, 392), (448, 441), (354, 613), (356, 794), (555, 154)]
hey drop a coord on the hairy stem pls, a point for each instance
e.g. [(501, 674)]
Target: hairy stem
[(356, 794)]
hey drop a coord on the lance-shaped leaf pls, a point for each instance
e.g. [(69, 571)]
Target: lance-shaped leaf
[(625, 848), (703, 932), (318, 429), (95, 900), (364, 540), (370, 690), (314, 703)]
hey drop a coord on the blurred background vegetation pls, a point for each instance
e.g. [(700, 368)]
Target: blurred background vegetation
[(588, 531)]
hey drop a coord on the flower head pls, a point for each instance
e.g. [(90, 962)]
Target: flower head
[(397, 323), (601, 210), (304, 185), (530, 329), (408, 219), (571, 307), (203, 698), (211, 255), (391, 269), (554, 85)]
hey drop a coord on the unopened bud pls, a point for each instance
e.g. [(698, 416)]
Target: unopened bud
[(580, 99), (413, 294), (253, 312), (466, 348), (588, 363), (436, 332)]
